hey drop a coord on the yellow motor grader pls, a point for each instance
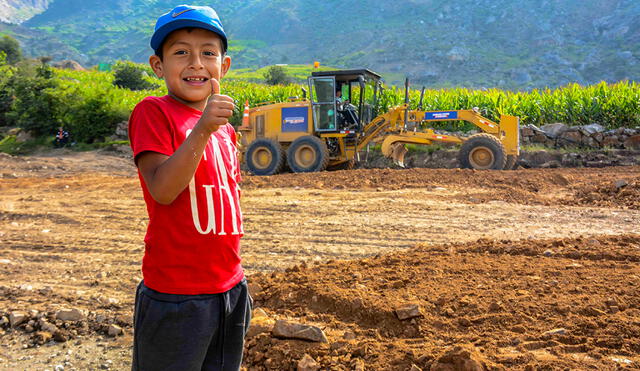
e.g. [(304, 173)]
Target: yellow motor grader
[(339, 119)]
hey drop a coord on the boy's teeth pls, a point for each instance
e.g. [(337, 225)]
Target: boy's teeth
[(195, 78)]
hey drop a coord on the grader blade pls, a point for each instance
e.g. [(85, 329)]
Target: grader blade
[(398, 152)]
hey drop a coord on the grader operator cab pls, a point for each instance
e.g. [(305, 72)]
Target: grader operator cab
[(340, 118), (356, 106)]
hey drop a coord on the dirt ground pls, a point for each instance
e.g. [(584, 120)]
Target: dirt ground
[(526, 269)]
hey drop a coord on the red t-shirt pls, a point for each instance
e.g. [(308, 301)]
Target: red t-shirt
[(192, 245)]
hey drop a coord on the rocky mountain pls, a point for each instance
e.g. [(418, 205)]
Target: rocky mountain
[(18, 11), (514, 44)]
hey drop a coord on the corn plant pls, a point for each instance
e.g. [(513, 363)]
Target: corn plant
[(611, 105)]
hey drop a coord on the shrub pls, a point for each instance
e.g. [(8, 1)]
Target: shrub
[(11, 49), (276, 75), (92, 118), (6, 91), (131, 76), (12, 146), (9, 145), (36, 103)]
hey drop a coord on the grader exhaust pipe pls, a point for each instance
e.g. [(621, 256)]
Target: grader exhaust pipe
[(421, 99), (406, 102)]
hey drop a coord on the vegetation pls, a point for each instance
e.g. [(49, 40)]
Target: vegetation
[(131, 76), (276, 75), (296, 73), (610, 105), (6, 97), (36, 101), (11, 49), (89, 104)]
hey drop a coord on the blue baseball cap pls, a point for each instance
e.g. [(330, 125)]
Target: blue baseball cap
[(183, 16)]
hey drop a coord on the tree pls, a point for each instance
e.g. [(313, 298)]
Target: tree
[(11, 48), (275, 75), (36, 105), (6, 91), (130, 76)]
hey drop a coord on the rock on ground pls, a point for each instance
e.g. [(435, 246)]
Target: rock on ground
[(307, 363), (70, 315), (289, 330), (408, 311), (460, 358), (17, 318)]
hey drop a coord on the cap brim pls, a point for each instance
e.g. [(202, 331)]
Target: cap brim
[(161, 33)]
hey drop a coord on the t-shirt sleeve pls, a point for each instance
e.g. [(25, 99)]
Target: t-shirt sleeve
[(149, 130)]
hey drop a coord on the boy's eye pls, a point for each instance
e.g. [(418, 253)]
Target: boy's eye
[(210, 54), (180, 52)]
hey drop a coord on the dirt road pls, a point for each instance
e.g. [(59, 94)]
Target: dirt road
[(493, 260)]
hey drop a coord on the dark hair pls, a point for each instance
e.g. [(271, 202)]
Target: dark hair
[(158, 52)]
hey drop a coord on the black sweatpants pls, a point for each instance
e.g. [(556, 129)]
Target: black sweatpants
[(190, 332)]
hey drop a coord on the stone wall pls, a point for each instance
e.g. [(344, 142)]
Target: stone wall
[(588, 136), (552, 158)]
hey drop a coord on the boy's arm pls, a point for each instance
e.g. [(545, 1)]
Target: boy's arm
[(167, 176)]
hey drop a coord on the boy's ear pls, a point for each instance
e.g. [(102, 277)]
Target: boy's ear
[(156, 65), (226, 65)]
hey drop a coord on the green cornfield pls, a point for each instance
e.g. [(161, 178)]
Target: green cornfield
[(610, 105)]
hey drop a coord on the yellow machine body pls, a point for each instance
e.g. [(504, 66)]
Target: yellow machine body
[(266, 121), (270, 121)]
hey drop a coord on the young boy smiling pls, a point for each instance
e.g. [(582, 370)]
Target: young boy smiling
[(193, 307)]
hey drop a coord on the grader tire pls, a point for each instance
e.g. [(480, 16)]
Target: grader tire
[(482, 152), (512, 162), (307, 154), (265, 157)]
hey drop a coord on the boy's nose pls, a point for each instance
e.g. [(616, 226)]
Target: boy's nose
[(196, 62)]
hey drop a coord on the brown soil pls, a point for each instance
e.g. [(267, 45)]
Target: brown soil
[(499, 296), (626, 195), (548, 187), (493, 259)]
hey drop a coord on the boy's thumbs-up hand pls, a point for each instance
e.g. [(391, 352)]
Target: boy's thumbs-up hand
[(218, 110)]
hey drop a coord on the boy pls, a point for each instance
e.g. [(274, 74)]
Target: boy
[(193, 308)]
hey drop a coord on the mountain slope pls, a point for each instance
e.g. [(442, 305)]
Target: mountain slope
[(36, 43), (492, 43), (17, 11)]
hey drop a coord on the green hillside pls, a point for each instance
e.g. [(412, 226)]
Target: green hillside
[(37, 43), (513, 44)]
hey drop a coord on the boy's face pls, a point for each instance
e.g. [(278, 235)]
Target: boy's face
[(191, 57)]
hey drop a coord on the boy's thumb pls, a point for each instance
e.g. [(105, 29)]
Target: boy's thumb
[(215, 86)]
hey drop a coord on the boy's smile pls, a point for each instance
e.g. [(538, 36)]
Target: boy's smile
[(191, 57)]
